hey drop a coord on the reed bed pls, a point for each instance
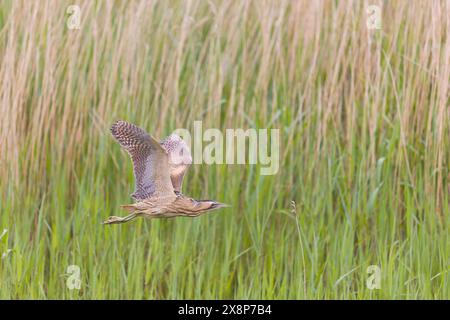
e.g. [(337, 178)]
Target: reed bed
[(364, 159)]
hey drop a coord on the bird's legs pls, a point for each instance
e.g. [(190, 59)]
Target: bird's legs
[(116, 220)]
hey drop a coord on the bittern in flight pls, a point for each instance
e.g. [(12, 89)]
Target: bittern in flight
[(159, 169)]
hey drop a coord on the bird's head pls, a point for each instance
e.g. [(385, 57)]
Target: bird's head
[(207, 205)]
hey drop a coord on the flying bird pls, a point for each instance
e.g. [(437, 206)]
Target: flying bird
[(159, 169)]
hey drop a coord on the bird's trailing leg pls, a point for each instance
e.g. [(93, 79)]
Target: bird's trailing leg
[(116, 220)]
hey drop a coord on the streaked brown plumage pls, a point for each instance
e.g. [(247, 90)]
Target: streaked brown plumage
[(159, 169)]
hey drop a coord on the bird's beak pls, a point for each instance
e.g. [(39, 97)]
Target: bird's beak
[(217, 205)]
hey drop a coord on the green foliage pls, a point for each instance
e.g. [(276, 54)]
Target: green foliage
[(365, 149)]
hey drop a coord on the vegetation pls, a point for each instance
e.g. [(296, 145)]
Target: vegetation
[(364, 161)]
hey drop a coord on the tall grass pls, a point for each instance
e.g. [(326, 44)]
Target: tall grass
[(365, 148)]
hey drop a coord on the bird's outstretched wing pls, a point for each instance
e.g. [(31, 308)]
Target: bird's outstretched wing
[(180, 159), (150, 161)]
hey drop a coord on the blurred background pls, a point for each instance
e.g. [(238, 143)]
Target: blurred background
[(363, 111)]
